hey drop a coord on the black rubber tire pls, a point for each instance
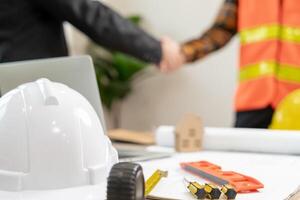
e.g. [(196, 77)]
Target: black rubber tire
[(126, 182)]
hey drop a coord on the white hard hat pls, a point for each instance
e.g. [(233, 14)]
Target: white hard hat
[(52, 145)]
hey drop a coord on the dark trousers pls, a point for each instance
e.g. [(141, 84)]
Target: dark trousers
[(255, 118)]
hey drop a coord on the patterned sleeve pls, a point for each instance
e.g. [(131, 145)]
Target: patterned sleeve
[(223, 29)]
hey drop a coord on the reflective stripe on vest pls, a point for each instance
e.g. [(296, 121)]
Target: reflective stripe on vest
[(270, 68), (270, 32)]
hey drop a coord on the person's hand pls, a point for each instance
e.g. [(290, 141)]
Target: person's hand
[(172, 57)]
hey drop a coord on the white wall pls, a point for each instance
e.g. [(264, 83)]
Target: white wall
[(206, 87)]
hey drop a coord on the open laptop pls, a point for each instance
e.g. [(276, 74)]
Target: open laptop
[(76, 72)]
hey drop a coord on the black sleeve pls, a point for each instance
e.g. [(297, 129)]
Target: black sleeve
[(105, 27)]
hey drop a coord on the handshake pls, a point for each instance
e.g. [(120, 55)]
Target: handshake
[(173, 57)]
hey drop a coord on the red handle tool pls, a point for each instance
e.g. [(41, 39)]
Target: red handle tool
[(214, 173)]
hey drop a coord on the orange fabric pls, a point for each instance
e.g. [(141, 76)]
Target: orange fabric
[(250, 96), (253, 13), (291, 13), (261, 92), (283, 89), (254, 53), (291, 53)]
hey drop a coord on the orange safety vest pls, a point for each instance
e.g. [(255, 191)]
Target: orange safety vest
[(270, 52)]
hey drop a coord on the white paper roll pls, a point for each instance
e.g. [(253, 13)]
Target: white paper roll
[(165, 136), (246, 140)]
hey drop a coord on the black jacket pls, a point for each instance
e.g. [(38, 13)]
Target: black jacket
[(31, 29)]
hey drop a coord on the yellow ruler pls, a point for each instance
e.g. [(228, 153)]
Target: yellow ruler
[(153, 180)]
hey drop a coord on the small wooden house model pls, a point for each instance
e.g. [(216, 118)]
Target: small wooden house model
[(189, 134)]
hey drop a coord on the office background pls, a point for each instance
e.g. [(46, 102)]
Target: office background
[(206, 87)]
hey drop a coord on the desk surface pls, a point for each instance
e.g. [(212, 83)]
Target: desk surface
[(279, 173)]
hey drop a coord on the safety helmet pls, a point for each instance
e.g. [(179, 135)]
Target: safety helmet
[(51, 139), (287, 114)]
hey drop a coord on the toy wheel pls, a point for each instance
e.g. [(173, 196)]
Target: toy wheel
[(126, 182)]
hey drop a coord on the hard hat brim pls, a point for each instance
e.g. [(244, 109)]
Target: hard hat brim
[(95, 192)]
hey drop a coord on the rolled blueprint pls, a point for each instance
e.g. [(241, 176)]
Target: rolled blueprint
[(245, 140)]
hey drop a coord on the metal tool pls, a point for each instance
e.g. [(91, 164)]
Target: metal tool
[(229, 192), (205, 191), (210, 191), (213, 173)]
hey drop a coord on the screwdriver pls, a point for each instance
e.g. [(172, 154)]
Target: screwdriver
[(206, 191), (211, 191)]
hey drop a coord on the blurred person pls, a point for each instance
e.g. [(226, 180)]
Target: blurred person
[(33, 29), (269, 33)]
